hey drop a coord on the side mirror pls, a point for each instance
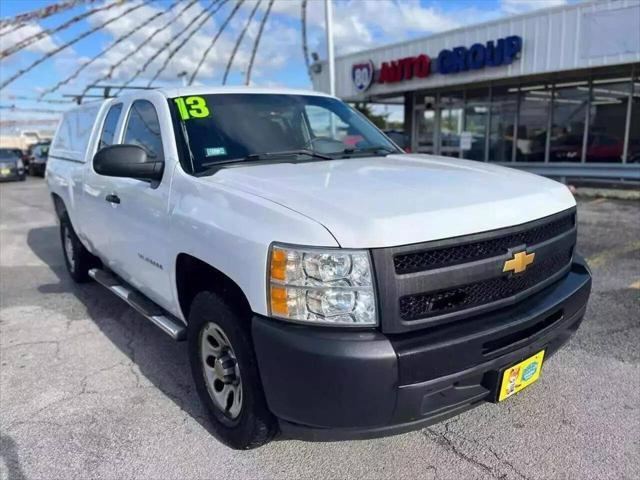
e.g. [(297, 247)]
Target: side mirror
[(130, 161)]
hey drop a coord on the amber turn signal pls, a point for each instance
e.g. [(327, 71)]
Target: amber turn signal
[(278, 264), (279, 300)]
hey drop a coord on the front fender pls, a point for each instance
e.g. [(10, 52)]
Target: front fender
[(231, 230)]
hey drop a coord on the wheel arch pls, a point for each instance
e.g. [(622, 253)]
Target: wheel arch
[(193, 275), (58, 205)]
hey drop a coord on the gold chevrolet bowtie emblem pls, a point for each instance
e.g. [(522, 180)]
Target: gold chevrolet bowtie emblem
[(519, 262)]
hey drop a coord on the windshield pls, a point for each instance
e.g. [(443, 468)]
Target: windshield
[(222, 128), (41, 150), (9, 154)]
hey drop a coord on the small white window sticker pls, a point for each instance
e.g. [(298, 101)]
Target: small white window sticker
[(215, 151)]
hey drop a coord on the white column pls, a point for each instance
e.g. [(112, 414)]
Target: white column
[(328, 13)]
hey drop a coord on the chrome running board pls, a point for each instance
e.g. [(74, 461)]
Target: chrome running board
[(152, 311)]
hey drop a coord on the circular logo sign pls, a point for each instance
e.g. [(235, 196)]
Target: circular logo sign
[(529, 371), (362, 75)]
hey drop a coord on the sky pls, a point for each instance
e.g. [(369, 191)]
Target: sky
[(358, 25)]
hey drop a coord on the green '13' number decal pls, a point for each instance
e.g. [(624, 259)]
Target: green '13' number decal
[(192, 107)]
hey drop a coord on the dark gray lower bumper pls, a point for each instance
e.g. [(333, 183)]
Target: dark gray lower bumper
[(14, 174), (329, 384), (37, 168)]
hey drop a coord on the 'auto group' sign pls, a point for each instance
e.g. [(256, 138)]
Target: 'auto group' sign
[(460, 59)]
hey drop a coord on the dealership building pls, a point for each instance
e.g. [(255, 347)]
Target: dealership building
[(556, 91)]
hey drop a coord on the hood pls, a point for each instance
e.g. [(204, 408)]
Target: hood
[(396, 200)]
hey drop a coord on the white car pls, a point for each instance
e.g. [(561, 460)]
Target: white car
[(329, 285)]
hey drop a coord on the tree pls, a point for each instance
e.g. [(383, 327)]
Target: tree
[(379, 120)]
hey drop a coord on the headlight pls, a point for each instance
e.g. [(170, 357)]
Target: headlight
[(321, 287), (19, 164)]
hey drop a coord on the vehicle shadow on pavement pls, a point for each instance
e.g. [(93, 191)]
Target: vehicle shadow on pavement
[(9, 455), (162, 361)]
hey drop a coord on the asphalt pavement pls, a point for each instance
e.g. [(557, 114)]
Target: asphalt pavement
[(90, 389)]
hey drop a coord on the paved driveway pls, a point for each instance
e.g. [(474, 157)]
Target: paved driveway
[(88, 388)]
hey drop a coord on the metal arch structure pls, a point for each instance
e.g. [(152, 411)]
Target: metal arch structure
[(21, 45), (85, 34), (146, 41), (162, 49), (256, 43), (239, 41), (213, 42), (115, 43), (209, 15), (39, 14), (175, 44)]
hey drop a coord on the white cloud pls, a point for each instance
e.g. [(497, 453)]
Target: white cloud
[(45, 44), (361, 24), (522, 6)]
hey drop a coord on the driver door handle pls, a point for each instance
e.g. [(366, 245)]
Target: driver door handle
[(112, 198)]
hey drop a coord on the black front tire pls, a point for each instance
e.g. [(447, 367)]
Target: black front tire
[(76, 257), (255, 424)]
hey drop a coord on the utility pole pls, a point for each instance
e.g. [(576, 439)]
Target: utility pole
[(328, 13)]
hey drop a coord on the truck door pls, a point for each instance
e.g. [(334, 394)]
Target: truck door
[(93, 209), (139, 222)]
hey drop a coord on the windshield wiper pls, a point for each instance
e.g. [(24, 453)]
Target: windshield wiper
[(258, 157), (373, 149), (287, 153)]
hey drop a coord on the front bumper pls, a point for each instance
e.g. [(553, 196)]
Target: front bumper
[(12, 173), (329, 384)]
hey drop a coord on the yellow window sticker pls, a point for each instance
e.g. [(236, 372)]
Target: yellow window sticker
[(192, 107)]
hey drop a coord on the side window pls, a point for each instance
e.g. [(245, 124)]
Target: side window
[(62, 140), (143, 129), (109, 127)]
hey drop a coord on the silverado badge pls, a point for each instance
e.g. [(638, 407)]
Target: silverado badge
[(519, 262)]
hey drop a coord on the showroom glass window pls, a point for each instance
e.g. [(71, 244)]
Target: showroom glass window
[(533, 121), (504, 104), (451, 123), (570, 103), (609, 103), (143, 129), (476, 120), (426, 124), (633, 155)]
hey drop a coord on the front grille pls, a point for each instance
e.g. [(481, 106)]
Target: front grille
[(425, 305), (443, 257)]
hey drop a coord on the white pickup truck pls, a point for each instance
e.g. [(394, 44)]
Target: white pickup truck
[(329, 285)]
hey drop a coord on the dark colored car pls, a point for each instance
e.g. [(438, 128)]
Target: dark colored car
[(600, 148), (11, 165), (39, 156)]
